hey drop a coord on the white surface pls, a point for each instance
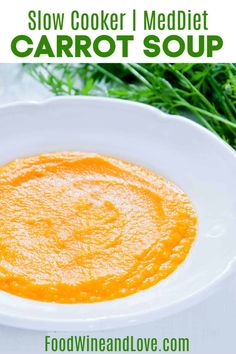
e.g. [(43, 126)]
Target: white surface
[(165, 144), (210, 326)]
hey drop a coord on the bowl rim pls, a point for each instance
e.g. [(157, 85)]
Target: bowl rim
[(139, 316), (55, 99)]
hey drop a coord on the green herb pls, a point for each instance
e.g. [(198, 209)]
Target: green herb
[(203, 92)]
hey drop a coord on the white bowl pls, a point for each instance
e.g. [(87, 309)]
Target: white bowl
[(189, 155)]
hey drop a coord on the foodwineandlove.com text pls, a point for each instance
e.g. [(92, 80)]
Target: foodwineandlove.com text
[(87, 343)]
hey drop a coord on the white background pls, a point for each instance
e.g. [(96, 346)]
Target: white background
[(210, 325), (14, 21)]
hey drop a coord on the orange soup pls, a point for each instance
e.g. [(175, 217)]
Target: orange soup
[(82, 227)]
